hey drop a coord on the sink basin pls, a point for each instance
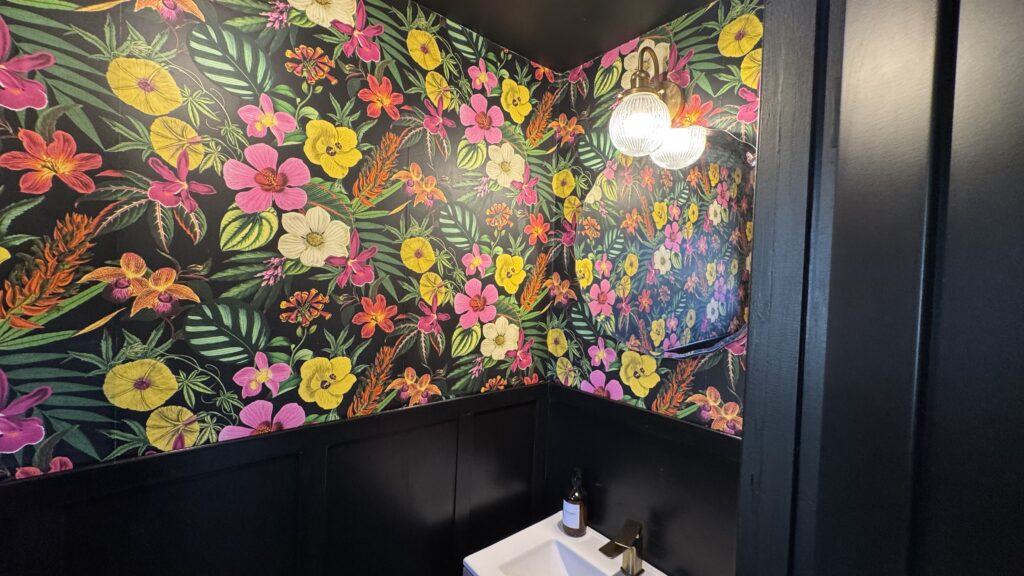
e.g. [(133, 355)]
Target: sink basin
[(543, 549)]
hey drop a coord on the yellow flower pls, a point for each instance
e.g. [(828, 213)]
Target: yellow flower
[(140, 385), (143, 85), (631, 265), (5, 254), (658, 331), (734, 266), (750, 69), (711, 272), (585, 272), (170, 137), (691, 318), (688, 230), (750, 231), (509, 272), (565, 372), (515, 99), (326, 381), (639, 372), (431, 286), (563, 183), (714, 175), (692, 212), (660, 214), (423, 48), (571, 208), (557, 344), (624, 287), (436, 85), (331, 147), (172, 428), (740, 36), (417, 254)]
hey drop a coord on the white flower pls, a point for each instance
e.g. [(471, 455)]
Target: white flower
[(313, 237), (632, 60), (500, 338), (713, 310), (662, 260), (323, 12), (504, 165), (596, 192), (715, 213)]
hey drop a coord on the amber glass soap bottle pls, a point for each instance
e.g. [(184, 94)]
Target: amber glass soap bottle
[(574, 507)]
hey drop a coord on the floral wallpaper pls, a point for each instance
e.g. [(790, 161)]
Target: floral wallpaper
[(225, 219)]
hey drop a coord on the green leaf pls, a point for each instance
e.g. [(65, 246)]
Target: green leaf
[(465, 341), (231, 61), (226, 331), (241, 232), (607, 78), (9, 213), (44, 450), (458, 226), (466, 42), (47, 121)]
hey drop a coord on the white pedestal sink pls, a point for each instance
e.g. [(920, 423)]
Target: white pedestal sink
[(544, 550)]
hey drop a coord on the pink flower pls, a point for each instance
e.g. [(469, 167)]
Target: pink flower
[(430, 321), (601, 354), (580, 72), (176, 189), (622, 49), (434, 120), (748, 112), (527, 191), (603, 266), (601, 299), (476, 304), (361, 36), (17, 92), (677, 71), (599, 385), (264, 183), (356, 268), (673, 237), (252, 379), (259, 120), (521, 357), (476, 261), (16, 429), (480, 121), (482, 78), (259, 418)]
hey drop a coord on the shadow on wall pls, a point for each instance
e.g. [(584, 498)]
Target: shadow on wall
[(221, 221)]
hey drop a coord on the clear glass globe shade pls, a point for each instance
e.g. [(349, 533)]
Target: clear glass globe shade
[(639, 123), (681, 147)]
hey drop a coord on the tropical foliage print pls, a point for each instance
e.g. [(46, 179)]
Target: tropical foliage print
[(225, 219)]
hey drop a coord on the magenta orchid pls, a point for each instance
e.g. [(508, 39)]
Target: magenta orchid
[(360, 36), (434, 120), (476, 261), (612, 55), (355, 267), (526, 187), (601, 353), (748, 112), (16, 429), (522, 359), (482, 78), (430, 321), (476, 304), (481, 122), (259, 418), (264, 183), (599, 385), (17, 91), (252, 379), (677, 70), (260, 119), (176, 189)]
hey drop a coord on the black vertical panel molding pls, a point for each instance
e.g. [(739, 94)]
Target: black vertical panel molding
[(968, 494)]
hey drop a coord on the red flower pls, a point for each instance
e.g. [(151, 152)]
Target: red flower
[(58, 158), (695, 112), (541, 71), (375, 313), (313, 64), (537, 229), (380, 97)]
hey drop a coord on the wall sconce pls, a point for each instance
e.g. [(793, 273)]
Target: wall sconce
[(641, 124)]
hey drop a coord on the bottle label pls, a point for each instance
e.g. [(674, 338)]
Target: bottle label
[(570, 515)]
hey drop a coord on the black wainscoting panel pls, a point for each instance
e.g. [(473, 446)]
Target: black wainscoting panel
[(969, 490), (390, 501), (175, 528), (680, 480)]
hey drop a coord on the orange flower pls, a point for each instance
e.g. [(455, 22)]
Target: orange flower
[(424, 188), (537, 229), (375, 313), (170, 9), (694, 113), (160, 293), (312, 63), (566, 129), (727, 418), (304, 306), (414, 390), (380, 97), (125, 281), (58, 158), (498, 215)]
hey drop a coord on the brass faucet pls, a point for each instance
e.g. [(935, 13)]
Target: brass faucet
[(629, 543)]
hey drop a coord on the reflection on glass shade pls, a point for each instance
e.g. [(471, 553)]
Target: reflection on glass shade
[(681, 147), (639, 123)]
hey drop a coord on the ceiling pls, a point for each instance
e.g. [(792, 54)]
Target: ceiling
[(561, 34)]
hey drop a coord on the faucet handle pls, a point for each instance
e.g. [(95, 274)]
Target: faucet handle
[(630, 536)]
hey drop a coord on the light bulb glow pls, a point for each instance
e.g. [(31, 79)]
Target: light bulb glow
[(681, 147), (639, 123)]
